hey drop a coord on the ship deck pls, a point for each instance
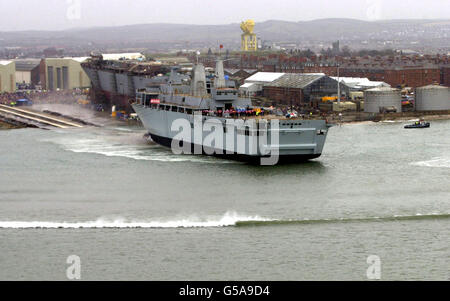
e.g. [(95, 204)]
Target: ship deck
[(242, 115)]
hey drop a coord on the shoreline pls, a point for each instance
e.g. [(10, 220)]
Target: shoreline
[(399, 120), (7, 126), (361, 118), (349, 118)]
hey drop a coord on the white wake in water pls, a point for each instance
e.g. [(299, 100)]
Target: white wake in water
[(436, 162), (117, 148), (228, 220)]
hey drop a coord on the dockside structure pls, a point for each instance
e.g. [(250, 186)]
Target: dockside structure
[(398, 71)]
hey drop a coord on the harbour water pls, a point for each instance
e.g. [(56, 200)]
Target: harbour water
[(132, 210)]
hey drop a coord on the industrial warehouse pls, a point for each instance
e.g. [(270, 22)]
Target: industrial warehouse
[(7, 76), (27, 73), (318, 91), (64, 74)]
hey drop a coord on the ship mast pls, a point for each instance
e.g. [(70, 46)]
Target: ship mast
[(219, 81), (220, 75), (198, 84)]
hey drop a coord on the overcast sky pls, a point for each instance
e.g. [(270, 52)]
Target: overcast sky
[(64, 14)]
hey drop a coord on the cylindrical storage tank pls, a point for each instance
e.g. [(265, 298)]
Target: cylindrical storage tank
[(384, 97), (432, 98)]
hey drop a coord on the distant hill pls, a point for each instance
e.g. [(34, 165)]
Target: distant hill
[(273, 30)]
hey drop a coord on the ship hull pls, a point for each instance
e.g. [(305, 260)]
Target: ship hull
[(284, 159), (112, 88), (299, 140)]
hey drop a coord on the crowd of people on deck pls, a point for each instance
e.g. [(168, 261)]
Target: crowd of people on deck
[(255, 112), (236, 113)]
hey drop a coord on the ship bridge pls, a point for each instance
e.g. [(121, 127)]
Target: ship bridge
[(225, 94)]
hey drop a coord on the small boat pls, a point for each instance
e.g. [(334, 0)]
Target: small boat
[(418, 125)]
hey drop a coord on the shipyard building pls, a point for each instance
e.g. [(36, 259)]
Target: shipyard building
[(7, 76), (359, 84), (28, 72), (63, 74), (308, 89), (122, 56), (254, 85), (300, 88)]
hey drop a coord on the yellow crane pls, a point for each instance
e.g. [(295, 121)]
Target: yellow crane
[(249, 39)]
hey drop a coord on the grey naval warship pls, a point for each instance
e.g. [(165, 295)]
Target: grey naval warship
[(293, 139)]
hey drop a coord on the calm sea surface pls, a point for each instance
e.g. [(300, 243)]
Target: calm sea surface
[(132, 210)]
